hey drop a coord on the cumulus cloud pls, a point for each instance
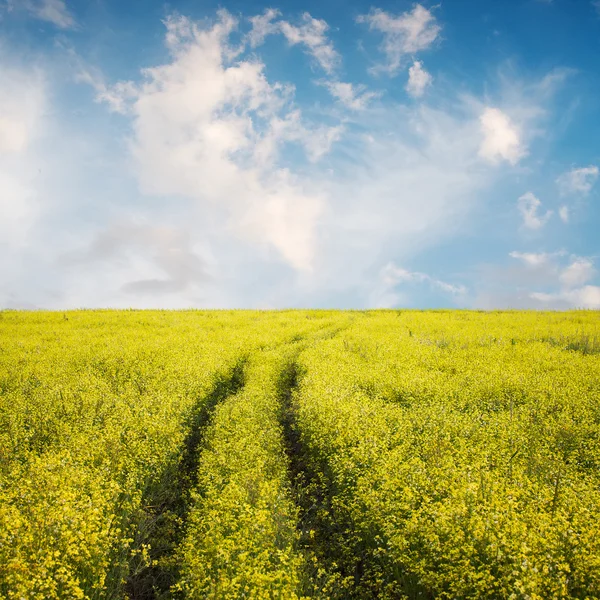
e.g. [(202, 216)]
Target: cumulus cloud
[(418, 80), (529, 206), (405, 34), (578, 181), (262, 195), (354, 97), (501, 137), (219, 143)]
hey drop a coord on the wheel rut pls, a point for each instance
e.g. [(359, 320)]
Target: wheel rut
[(153, 567)]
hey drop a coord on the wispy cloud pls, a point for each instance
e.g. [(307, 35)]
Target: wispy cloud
[(403, 35), (418, 80), (393, 275), (578, 181), (263, 26), (354, 97), (310, 33), (529, 206), (51, 11), (231, 192)]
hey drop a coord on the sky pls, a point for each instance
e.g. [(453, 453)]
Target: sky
[(335, 154)]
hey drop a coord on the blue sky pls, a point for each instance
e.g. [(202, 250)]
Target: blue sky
[(314, 154)]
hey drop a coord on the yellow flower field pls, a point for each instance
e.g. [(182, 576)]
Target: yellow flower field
[(299, 454)]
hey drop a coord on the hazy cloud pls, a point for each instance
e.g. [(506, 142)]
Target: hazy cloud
[(578, 181), (141, 248), (52, 11)]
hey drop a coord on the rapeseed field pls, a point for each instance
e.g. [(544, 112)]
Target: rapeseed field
[(299, 454)]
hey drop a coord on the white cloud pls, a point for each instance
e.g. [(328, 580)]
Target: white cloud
[(585, 297), (570, 279), (162, 258), (222, 153), (117, 96), (406, 34), (52, 11), (533, 259), (393, 275), (580, 271), (578, 181), (564, 213), (312, 34), (219, 143), (354, 97), (418, 80), (22, 100), (528, 206), (501, 137), (262, 26), (22, 105)]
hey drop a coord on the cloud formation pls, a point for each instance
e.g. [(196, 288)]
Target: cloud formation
[(529, 206), (501, 138), (218, 143), (572, 279), (418, 80), (354, 97), (51, 11), (310, 33), (394, 279), (578, 181), (221, 185), (403, 35), (22, 105)]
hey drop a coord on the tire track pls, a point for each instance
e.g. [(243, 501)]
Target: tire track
[(153, 566)]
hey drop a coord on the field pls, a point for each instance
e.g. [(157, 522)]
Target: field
[(299, 454)]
